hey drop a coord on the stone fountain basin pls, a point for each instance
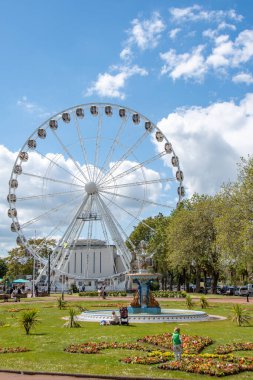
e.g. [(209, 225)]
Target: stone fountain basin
[(166, 315)]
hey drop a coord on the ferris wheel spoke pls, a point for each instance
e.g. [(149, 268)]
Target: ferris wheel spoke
[(48, 212), (61, 167), (136, 167), (114, 231), (139, 183), (66, 150), (68, 236), (84, 152), (125, 156), (105, 234), (47, 195), (51, 179), (127, 212), (113, 146), (115, 220), (98, 142), (143, 201)]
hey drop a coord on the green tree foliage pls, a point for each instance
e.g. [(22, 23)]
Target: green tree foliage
[(142, 232), (235, 222), (20, 261), (3, 268), (192, 240)]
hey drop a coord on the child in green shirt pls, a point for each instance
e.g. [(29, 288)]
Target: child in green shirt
[(177, 343)]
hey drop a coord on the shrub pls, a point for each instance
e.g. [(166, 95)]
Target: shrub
[(203, 302), (189, 302), (61, 303), (29, 320), (240, 315), (167, 294), (72, 319), (74, 288)]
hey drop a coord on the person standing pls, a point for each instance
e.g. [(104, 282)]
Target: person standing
[(177, 344)]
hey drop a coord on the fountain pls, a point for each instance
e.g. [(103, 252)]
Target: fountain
[(143, 301), (144, 308)]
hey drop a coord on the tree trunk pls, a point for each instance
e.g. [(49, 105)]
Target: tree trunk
[(215, 280), (198, 276)]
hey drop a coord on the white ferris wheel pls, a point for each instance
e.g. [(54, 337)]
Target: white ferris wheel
[(91, 172)]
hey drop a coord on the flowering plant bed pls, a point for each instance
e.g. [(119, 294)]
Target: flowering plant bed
[(225, 349), (191, 344), (217, 364), (93, 348), (207, 366), (12, 350)]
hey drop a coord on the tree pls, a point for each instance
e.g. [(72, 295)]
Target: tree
[(20, 260), (142, 232), (235, 222), (3, 268), (158, 246), (192, 240)]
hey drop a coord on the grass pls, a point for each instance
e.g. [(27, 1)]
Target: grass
[(48, 340)]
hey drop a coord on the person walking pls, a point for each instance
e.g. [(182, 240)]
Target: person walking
[(177, 344)]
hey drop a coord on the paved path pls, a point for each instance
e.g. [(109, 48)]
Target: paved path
[(32, 376)]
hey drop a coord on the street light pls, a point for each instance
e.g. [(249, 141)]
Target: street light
[(49, 272)]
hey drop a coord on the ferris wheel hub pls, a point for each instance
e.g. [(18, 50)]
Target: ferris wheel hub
[(91, 188)]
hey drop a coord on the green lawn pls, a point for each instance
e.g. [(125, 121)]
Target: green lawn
[(48, 341)]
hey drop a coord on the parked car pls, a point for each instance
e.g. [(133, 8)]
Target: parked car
[(250, 289), (231, 291), (243, 290)]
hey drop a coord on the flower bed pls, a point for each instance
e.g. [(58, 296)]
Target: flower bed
[(191, 344), (168, 294), (217, 364), (93, 348), (207, 366), (12, 350), (225, 349)]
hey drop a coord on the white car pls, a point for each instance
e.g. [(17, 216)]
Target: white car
[(243, 290)]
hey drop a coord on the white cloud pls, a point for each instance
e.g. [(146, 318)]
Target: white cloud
[(112, 85), (225, 25), (187, 65), (31, 107), (243, 78), (146, 34), (173, 33), (227, 53), (210, 141), (126, 54), (196, 13)]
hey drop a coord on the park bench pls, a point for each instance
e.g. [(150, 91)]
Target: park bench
[(5, 297)]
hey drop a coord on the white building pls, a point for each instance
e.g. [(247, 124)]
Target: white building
[(90, 263)]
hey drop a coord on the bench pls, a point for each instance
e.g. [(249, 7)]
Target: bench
[(5, 297)]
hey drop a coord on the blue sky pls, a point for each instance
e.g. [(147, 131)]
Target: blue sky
[(187, 66)]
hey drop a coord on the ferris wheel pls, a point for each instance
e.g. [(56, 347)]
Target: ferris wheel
[(91, 172)]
